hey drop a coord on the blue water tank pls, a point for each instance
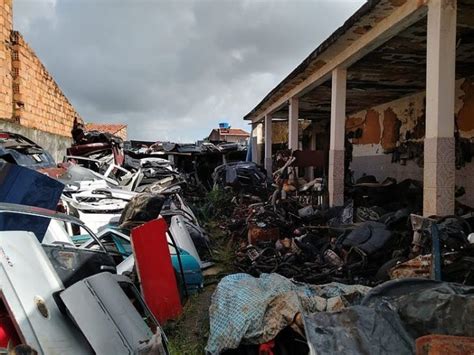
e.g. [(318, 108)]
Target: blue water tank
[(224, 125)]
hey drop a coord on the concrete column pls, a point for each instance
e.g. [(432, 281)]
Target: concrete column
[(336, 145), (257, 142), (312, 146), (293, 124), (439, 152), (268, 144)]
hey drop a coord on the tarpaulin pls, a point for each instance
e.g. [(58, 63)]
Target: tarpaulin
[(428, 306), (24, 186), (391, 317), (357, 330), (250, 310)]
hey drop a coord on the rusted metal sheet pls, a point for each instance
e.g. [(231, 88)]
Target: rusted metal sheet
[(418, 267), (256, 233), (304, 158), (444, 344)]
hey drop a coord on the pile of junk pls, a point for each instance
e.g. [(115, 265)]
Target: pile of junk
[(374, 276), (96, 252), (100, 251)]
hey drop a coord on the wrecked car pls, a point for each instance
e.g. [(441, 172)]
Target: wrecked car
[(72, 310), (17, 149)]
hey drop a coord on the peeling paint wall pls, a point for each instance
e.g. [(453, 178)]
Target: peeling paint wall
[(465, 116), (280, 132), (383, 128)]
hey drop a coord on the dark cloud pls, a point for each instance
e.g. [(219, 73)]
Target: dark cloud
[(173, 69)]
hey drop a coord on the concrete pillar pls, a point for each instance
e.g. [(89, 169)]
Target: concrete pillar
[(336, 145), (312, 146), (293, 124), (257, 142), (268, 144), (439, 153), (172, 159)]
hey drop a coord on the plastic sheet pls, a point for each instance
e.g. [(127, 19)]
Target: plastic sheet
[(391, 317)]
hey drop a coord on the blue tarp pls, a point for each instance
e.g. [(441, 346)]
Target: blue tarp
[(24, 186)]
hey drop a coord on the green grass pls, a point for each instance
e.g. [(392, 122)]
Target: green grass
[(188, 335)]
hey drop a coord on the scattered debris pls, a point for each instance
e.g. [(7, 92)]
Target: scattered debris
[(168, 219)]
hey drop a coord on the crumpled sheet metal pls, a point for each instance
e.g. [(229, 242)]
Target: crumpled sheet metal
[(419, 267), (250, 310), (391, 317)]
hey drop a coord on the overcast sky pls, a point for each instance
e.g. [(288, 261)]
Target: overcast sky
[(173, 69)]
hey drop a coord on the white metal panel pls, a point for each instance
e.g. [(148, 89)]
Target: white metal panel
[(26, 275), (106, 316), (182, 238), (56, 233)]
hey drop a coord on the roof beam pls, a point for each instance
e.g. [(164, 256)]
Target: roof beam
[(400, 19)]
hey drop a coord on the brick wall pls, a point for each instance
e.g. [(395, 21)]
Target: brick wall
[(119, 130), (38, 101), (6, 95)]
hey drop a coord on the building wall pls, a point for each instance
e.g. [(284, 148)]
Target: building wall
[(31, 103), (234, 139), (215, 136), (38, 101), (6, 93), (280, 132), (122, 133), (390, 125), (56, 145)]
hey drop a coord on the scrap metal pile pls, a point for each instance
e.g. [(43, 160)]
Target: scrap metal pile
[(283, 227), (292, 232), (97, 252), (95, 228)]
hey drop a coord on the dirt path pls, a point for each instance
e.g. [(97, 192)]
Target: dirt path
[(188, 335)]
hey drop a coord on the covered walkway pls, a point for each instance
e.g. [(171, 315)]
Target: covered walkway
[(397, 75)]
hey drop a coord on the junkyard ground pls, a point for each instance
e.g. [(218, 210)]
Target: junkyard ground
[(188, 335)]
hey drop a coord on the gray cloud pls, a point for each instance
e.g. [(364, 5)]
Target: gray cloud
[(174, 69)]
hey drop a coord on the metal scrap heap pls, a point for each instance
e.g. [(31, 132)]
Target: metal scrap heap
[(116, 240)]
